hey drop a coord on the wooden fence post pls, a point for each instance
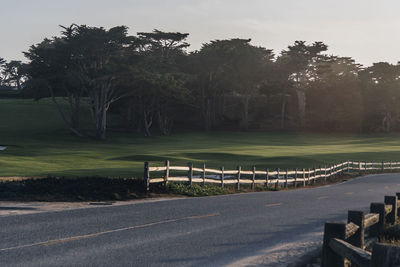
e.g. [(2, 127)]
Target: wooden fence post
[(295, 178), (392, 216), (239, 169), (325, 175), (166, 175), (146, 176), (304, 177), (286, 178), (390, 166), (348, 166), (308, 176), (203, 175), (359, 166), (358, 218), (222, 176), (267, 178), (365, 166), (190, 173), (398, 209), (329, 257), (378, 228), (254, 178), (277, 179), (352, 165), (383, 166), (315, 174)]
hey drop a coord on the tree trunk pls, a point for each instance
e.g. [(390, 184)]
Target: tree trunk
[(301, 102), (245, 119), (283, 112)]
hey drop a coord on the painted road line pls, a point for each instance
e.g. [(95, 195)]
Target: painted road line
[(273, 204), (80, 237)]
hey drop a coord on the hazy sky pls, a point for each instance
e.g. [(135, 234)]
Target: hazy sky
[(367, 30)]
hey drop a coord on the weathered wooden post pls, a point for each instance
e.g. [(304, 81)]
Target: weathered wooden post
[(295, 178), (277, 179), (392, 216), (348, 166), (359, 166), (222, 176), (358, 218), (383, 166), (267, 178), (319, 171), (378, 228), (352, 165), (254, 178), (308, 176), (365, 166), (304, 177), (385, 255), (239, 169), (166, 174), (203, 174), (190, 173), (398, 209), (329, 257), (286, 178), (315, 174), (146, 176)]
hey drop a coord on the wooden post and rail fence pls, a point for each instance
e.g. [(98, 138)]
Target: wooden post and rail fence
[(347, 241), (253, 177)]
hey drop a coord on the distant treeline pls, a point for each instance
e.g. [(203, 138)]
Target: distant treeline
[(157, 86)]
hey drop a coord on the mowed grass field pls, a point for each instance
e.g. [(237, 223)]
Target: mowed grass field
[(39, 145)]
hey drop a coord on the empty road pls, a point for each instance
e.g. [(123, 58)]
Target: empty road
[(237, 230)]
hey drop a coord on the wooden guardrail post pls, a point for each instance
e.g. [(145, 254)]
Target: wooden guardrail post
[(295, 178), (190, 173), (329, 257), (392, 216), (146, 176), (358, 218), (359, 166), (267, 178), (385, 255), (390, 166), (203, 175), (239, 169), (286, 178), (378, 228), (222, 176), (308, 176), (383, 166), (315, 174), (348, 166), (254, 178), (398, 209), (304, 177), (365, 166), (325, 176), (166, 175), (277, 179)]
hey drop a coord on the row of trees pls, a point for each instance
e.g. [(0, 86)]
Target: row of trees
[(155, 85)]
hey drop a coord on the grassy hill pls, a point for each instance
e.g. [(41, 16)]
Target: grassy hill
[(39, 145)]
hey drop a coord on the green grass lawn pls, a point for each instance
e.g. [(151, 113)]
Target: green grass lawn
[(39, 145)]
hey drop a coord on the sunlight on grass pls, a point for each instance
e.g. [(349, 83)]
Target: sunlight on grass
[(39, 145)]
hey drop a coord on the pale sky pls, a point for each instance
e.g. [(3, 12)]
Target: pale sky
[(367, 30)]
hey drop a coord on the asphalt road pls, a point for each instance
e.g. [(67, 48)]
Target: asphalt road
[(212, 231)]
